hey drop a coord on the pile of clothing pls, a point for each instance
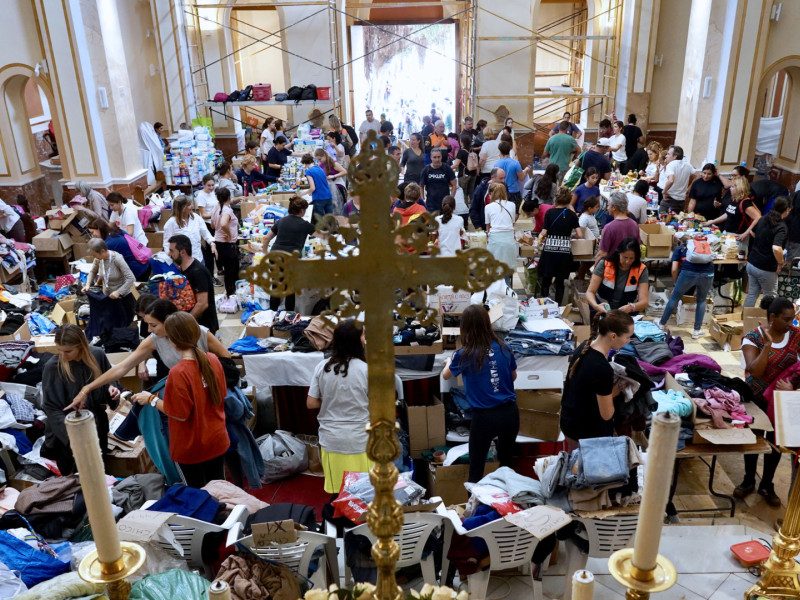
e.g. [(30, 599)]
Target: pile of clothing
[(541, 337), (717, 396)]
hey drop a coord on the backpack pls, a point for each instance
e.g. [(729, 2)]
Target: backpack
[(281, 97), (294, 93), (309, 92), (246, 94), (177, 290), (140, 252), (472, 161), (233, 96), (699, 252)]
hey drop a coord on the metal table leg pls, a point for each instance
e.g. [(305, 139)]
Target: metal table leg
[(712, 469)]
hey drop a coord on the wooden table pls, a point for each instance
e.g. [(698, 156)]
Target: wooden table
[(702, 451)]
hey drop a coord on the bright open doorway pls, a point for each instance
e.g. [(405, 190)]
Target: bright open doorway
[(404, 79)]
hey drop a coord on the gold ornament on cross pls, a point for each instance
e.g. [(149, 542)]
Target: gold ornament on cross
[(388, 273)]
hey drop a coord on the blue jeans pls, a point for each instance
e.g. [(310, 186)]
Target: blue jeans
[(687, 280), (323, 207), (759, 281)]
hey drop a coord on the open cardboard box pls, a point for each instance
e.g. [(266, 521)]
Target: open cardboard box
[(657, 238), (539, 401), (584, 248), (23, 333), (426, 427), (129, 381), (64, 312), (704, 431), (52, 243), (727, 341), (59, 218), (447, 482)]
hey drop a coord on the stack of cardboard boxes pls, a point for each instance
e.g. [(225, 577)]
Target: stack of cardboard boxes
[(67, 235)]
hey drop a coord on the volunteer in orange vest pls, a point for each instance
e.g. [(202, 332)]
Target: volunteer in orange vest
[(694, 262), (619, 281)]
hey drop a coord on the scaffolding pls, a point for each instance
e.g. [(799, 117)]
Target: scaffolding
[(565, 38)]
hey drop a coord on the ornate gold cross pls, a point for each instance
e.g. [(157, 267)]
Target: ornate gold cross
[(377, 280)]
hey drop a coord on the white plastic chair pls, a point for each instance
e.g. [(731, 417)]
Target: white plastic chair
[(189, 534), (297, 555), (417, 528), (605, 536)]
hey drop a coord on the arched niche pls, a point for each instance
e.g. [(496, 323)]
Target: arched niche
[(784, 74)]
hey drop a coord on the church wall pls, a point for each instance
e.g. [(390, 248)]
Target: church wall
[(671, 44)]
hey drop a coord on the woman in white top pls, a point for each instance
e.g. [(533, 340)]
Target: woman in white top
[(616, 144), (339, 389), (11, 223), (206, 198), (267, 137), (500, 216), (184, 221), (451, 228), (653, 169), (126, 217)]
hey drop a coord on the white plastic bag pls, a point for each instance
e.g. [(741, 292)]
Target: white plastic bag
[(500, 293), (283, 454)]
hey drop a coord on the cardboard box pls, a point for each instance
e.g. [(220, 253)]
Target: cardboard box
[(46, 343), (448, 482), (260, 332), (528, 251), (78, 229), (59, 218), (64, 312), (23, 333), (51, 243), (129, 381), (126, 463), (426, 427), (6, 275), (751, 317), (584, 248), (314, 456), (81, 250), (658, 239), (436, 348), (727, 341), (155, 239), (539, 413), (687, 309)]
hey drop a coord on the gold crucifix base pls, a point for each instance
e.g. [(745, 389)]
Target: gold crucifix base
[(641, 583), (114, 575)]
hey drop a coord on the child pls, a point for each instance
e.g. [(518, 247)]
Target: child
[(408, 208), (587, 219), (450, 228)]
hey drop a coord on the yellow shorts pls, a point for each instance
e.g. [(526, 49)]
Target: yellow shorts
[(334, 466)]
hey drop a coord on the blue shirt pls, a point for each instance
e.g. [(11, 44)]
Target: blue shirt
[(679, 254), (583, 192), (512, 168), (322, 191), (493, 385)]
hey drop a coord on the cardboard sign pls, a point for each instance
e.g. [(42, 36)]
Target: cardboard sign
[(539, 521), (142, 525), (274, 532)]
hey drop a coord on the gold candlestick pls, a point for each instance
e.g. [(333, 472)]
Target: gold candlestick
[(112, 561), (642, 569), (780, 575)]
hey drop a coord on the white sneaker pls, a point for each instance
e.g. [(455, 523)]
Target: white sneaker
[(698, 333), (658, 324)]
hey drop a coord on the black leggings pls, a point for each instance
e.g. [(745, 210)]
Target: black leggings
[(501, 422), (229, 261), (771, 460), (199, 474), (559, 281), (288, 302)]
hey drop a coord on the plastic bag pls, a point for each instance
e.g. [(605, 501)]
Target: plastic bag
[(170, 585), (283, 454), (357, 492), (500, 293), (658, 303), (39, 324)]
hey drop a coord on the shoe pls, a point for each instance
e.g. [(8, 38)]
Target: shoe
[(770, 497), (217, 282), (698, 333), (743, 490), (659, 325), (778, 524)]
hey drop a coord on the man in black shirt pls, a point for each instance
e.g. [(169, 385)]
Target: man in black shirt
[(436, 181), (205, 309), (596, 157), (633, 136), (765, 191)]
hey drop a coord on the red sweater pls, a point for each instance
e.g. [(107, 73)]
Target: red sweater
[(201, 435)]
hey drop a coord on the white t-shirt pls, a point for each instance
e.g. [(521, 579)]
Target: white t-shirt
[(589, 222), (195, 229), (618, 140), (267, 142), (366, 126), (130, 216), (8, 217), (500, 215), (450, 235), (637, 206), (345, 407), (492, 153), (208, 201), (681, 170)]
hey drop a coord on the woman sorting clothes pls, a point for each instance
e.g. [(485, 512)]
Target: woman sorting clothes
[(768, 351), (115, 306), (500, 215), (339, 390), (78, 363), (489, 370), (587, 405), (155, 345), (556, 261), (116, 241), (619, 281), (194, 402)]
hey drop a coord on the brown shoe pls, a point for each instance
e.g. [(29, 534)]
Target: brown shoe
[(743, 490), (770, 497)]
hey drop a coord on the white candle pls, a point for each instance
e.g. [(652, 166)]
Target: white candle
[(219, 590), (83, 439), (657, 481), (582, 585)]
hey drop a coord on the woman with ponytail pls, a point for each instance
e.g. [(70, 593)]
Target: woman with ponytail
[(193, 401), (587, 405), (450, 228), (489, 371), (78, 363)]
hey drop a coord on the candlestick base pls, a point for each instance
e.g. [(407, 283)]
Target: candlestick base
[(641, 583), (114, 574)]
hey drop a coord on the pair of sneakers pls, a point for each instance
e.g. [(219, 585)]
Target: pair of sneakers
[(697, 333)]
